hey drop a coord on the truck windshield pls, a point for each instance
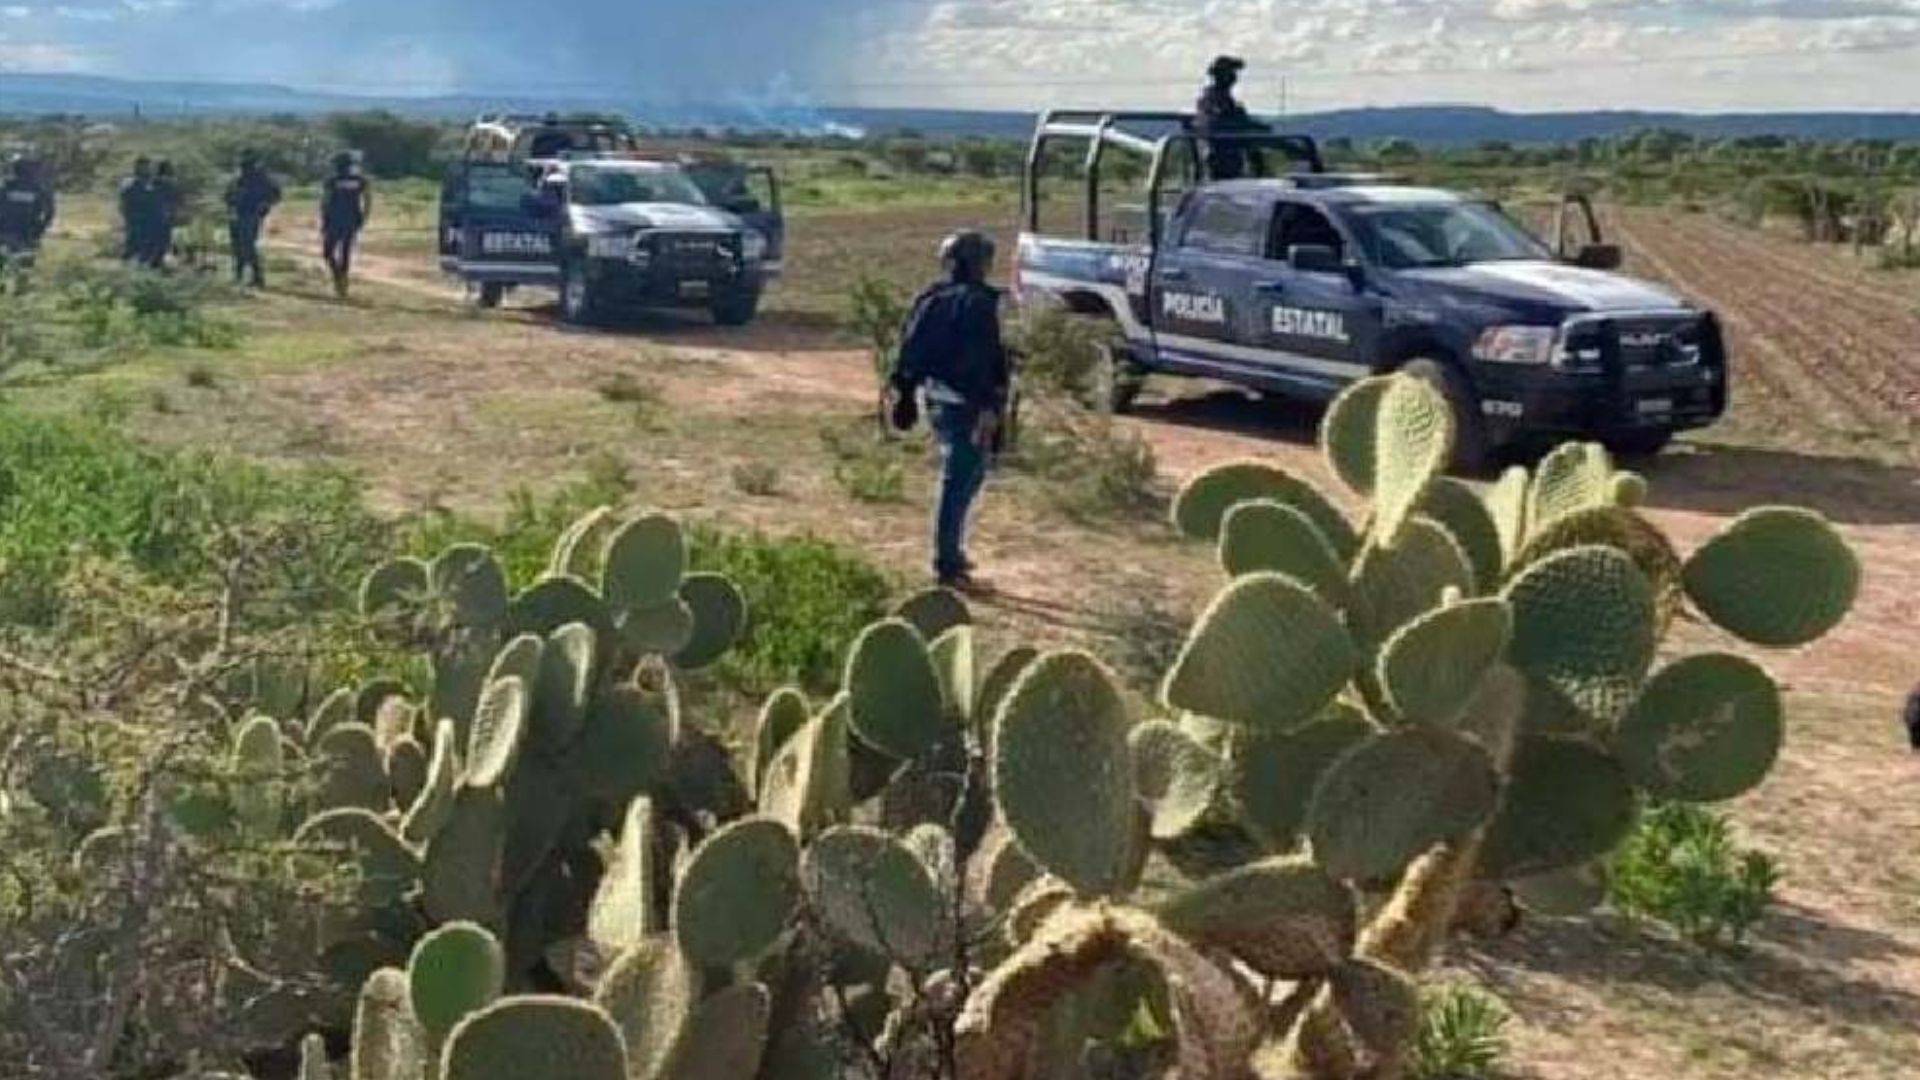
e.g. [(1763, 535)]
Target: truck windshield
[(1418, 236), (607, 186)]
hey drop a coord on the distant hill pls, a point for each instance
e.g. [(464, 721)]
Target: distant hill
[(1444, 124)]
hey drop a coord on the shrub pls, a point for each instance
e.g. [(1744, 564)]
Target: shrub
[(1682, 867), (1062, 353), (873, 478), (875, 308), (389, 145), (522, 537), (1462, 1034), (760, 479), (1092, 469)]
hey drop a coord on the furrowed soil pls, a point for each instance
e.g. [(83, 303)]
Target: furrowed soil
[(442, 406)]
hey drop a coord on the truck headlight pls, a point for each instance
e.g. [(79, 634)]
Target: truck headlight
[(754, 247), (1517, 345)]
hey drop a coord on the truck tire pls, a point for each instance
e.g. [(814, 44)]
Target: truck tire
[(486, 295), (1471, 452), (1120, 381), (736, 307), (1639, 445), (578, 304)]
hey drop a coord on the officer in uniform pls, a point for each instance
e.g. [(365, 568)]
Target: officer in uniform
[(1220, 113), (166, 186), (140, 212), (950, 346), (346, 201), (26, 207), (250, 198)]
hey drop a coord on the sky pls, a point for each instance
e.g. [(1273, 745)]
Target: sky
[(1699, 55)]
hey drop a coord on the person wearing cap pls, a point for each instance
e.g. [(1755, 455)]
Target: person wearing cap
[(346, 202), (26, 206), (950, 350), (250, 198), (140, 212), (1219, 113), (168, 198)]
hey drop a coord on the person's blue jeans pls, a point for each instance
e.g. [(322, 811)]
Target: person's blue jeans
[(963, 470)]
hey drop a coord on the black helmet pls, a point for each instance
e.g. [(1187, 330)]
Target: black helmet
[(969, 251), (1226, 65), (343, 159)]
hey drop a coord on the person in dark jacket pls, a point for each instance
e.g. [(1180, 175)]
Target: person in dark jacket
[(250, 198), (1913, 718), (1220, 113), (166, 186), (950, 349), (26, 206), (346, 202), (140, 212)]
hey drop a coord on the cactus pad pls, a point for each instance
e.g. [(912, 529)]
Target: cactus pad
[(406, 770), (650, 992), (1002, 870), (1200, 509), (1706, 729), (786, 711), (934, 612), (1456, 508), (737, 893), (455, 970), (1267, 536), (1574, 477), (394, 587), (1175, 776), (623, 912), (335, 709), (1567, 802), (646, 560), (625, 745), (430, 810), (1629, 490), (388, 867), (1777, 576), (1506, 502), (1432, 666), (893, 692), (518, 1038), (719, 619), (1584, 624), (313, 1058), (1267, 654), (353, 772), (1396, 795), (953, 660), (872, 891), (1064, 729), (469, 579), (462, 870), (518, 659), (582, 543), (1348, 434), (563, 688), (1283, 917), (808, 785), (1394, 583), (557, 600), (1274, 775), (1564, 894), (1613, 526), (1413, 440), (499, 727), (388, 1043), (1380, 1005), (258, 762), (728, 1036), (997, 685)]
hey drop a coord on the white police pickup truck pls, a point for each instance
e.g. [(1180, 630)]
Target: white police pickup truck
[(1303, 281), (609, 227)]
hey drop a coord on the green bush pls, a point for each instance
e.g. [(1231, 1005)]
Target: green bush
[(1092, 469), (1462, 1034), (875, 308), (1060, 352), (1682, 867), (522, 539), (70, 491)]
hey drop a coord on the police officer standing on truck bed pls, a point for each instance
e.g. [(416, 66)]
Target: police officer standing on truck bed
[(140, 212), (950, 345), (346, 201), (26, 207), (250, 198), (1220, 113)]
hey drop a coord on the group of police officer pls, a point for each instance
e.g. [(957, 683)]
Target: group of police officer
[(150, 202)]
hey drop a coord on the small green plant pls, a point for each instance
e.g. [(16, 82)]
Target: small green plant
[(1682, 867), (1462, 1034), (625, 388), (875, 478), (760, 479), (1062, 353), (874, 311), (1092, 469), (201, 377)]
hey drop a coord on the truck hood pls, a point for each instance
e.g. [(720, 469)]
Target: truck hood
[(626, 216), (1550, 283)]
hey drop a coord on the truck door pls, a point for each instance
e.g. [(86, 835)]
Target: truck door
[(1198, 300), (1313, 315), (503, 238), (751, 194)]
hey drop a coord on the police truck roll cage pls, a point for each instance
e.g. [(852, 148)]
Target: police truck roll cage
[(1180, 148)]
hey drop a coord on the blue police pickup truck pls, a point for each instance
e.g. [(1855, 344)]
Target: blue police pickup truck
[(1298, 281), (575, 204)]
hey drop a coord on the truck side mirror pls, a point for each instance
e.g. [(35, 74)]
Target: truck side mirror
[(1599, 257), (1315, 259)]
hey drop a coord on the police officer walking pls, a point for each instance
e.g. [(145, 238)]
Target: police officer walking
[(950, 346), (26, 208), (250, 198), (140, 213), (346, 202), (1220, 113)]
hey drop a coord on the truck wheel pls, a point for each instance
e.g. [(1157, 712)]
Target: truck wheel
[(736, 307), (486, 294), (1639, 445), (578, 305), (1120, 380), (1471, 452)]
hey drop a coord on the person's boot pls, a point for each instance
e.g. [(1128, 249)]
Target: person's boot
[(965, 583)]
